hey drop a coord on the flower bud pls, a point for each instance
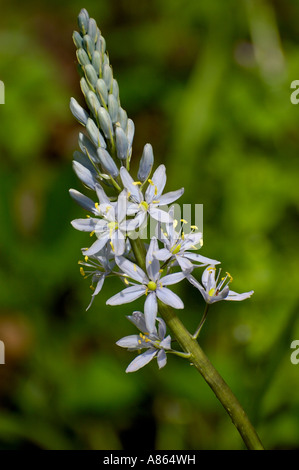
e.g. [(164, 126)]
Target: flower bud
[(146, 163), (77, 38), (89, 45), (101, 45), (102, 91), (83, 21), (107, 162), (97, 62), (90, 75), (94, 134), (105, 122), (87, 147), (93, 103), (107, 74), (78, 112), (122, 143), (130, 131), (113, 108), (92, 30), (115, 89), (84, 86), (82, 57), (122, 118)]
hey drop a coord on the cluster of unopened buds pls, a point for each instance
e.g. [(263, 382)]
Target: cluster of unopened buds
[(119, 215)]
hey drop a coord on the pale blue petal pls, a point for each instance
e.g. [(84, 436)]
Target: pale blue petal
[(162, 328), (118, 240), (131, 269), (85, 175), (170, 197), (127, 295), (163, 254), (185, 265), (166, 343), (97, 245), (155, 189), (150, 311), (234, 296), (141, 360), (174, 278), (83, 201), (200, 259), (161, 359), (137, 318), (128, 181), (158, 214), (97, 289), (152, 264), (129, 342), (169, 298), (85, 225)]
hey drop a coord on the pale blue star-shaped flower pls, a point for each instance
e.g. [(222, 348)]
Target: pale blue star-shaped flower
[(214, 289), (177, 246), (153, 341), (98, 267), (148, 203), (150, 284), (111, 226)]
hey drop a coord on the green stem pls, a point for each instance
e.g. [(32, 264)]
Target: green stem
[(205, 313), (198, 358)]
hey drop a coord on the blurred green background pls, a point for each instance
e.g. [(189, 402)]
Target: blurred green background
[(208, 85)]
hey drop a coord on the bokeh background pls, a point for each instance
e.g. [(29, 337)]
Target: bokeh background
[(208, 85)]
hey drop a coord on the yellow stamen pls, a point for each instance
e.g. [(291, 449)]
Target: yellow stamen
[(194, 227), (184, 221), (86, 258), (136, 183), (82, 272), (211, 292), (91, 233), (112, 247)]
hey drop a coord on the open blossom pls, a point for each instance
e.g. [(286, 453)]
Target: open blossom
[(214, 289), (154, 342), (98, 267), (148, 204), (150, 284), (177, 246), (111, 226)]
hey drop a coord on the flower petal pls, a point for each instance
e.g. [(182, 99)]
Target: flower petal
[(130, 342), (131, 269), (234, 296), (83, 201), (128, 183), (85, 225), (158, 214), (141, 360), (150, 311), (126, 295), (169, 298), (170, 197), (97, 245), (161, 358), (157, 184), (174, 278)]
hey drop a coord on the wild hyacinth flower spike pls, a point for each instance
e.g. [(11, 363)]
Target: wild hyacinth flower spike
[(104, 160), (155, 343)]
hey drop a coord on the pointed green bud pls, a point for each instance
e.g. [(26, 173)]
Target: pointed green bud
[(107, 162), (122, 143), (113, 108), (83, 21), (94, 134), (77, 38), (89, 45), (82, 57), (105, 122), (78, 112), (102, 91), (146, 163), (90, 75)]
